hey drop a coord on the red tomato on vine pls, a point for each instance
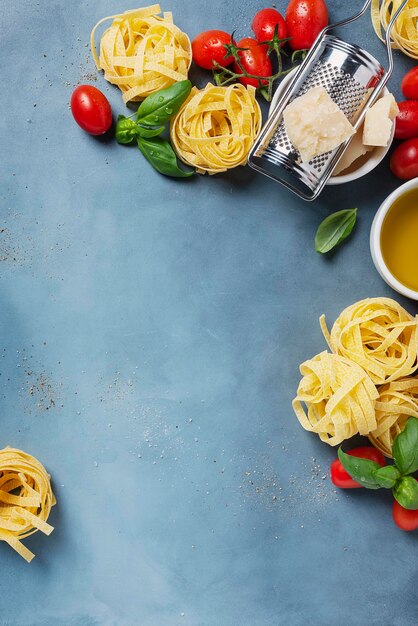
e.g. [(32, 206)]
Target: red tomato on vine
[(208, 48), (254, 60), (305, 19), (265, 23)]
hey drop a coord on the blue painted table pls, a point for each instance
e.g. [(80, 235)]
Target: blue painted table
[(151, 332)]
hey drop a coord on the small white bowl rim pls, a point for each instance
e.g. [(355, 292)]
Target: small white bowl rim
[(376, 156), (375, 247)]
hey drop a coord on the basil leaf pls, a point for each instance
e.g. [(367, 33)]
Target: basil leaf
[(126, 130), (361, 470), (162, 157), (148, 131), (334, 229), (406, 492), (405, 448), (387, 476), (160, 106)]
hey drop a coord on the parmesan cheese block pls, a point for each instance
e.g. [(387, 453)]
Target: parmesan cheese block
[(355, 150), (379, 120), (315, 124)]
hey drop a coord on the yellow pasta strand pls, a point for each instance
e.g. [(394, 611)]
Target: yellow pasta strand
[(404, 33), (26, 499), (379, 335), (339, 397), (216, 127), (142, 52), (397, 401)]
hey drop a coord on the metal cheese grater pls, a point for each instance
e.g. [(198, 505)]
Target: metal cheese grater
[(352, 77)]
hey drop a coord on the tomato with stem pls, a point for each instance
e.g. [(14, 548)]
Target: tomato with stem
[(210, 48), (305, 19), (253, 59), (267, 23)]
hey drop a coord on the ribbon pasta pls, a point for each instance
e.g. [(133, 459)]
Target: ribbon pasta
[(216, 127), (397, 401), (26, 499), (339, 397), (379, 335), (142, 52), (404, 33), (373, 342)]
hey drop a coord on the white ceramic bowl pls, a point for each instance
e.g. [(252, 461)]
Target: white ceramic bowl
[(363, 165), (375, 246)]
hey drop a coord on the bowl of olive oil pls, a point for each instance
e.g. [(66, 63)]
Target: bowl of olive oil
[(394, 239)]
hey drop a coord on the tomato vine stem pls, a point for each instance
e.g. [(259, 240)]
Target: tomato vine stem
[(224, 76)]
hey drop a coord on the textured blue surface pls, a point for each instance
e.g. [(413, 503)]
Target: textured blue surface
[(151, 332)]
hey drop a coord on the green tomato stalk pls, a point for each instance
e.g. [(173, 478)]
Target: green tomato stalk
[(224, 76)]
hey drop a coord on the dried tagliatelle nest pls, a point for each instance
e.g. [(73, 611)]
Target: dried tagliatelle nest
[(26, 499), (379, 335), (339, 397), (397, 402), (142, 52), (216, 127), (404, 35)]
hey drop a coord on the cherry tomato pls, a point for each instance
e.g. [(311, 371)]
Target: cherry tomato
[(407, 120), (404, 160), (91, 110), (264, 24), (405, 519), (409, 84), (254, 60), (209, 47), (305, 19), (341, 478)]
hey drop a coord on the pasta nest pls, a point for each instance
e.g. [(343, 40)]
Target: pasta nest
[(379, 335), (396, 402), (404, 35), (26, 499), (339, 397), (142, 52), (216, 127)]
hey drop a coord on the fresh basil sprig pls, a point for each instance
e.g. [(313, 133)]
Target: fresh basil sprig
[(334, 229), (361, 470), (405, 448), (159, 107), (148, 131), (406, 492), (397, 476), (162, 157), (126, 129), (387, 476), (152, 115)]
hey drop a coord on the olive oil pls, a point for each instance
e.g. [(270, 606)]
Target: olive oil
[(399, 239)]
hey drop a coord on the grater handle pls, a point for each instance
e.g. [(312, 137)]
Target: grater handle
[(387, 37), (348, 20), (387, 34), (389, 71)]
